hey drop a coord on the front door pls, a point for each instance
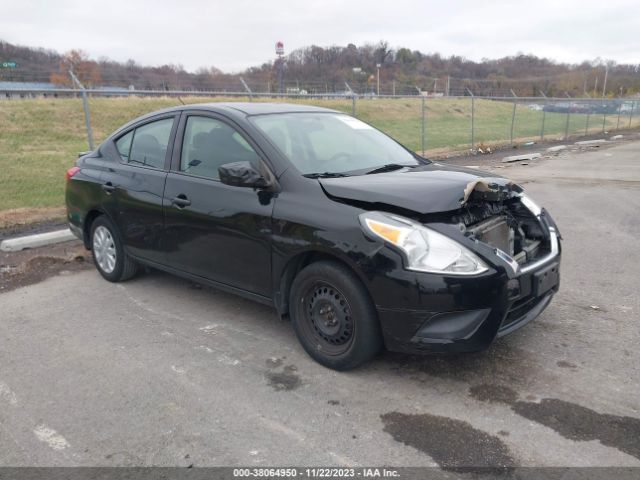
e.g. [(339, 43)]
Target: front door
[(213, 230)]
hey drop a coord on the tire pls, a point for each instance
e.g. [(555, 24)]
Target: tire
[(333, 316), (109, 256)]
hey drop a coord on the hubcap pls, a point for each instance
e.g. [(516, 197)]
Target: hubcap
[(330, 315), (104, 249)]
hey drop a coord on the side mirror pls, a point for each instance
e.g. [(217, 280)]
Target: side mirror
[(241, 174)]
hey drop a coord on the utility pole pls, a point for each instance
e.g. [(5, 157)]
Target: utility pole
[(378, 77), (448, 84), (606, 73)]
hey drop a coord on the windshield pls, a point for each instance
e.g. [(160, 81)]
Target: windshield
[(325, 143)]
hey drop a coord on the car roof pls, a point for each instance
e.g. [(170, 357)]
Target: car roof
[(258, 108), (231, 108)]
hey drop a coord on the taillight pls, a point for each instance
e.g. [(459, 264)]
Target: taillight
[(71, 172)]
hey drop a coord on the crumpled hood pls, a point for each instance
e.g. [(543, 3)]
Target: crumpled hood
[(428, 189)]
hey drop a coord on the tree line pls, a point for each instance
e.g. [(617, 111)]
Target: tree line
[(318, 70)]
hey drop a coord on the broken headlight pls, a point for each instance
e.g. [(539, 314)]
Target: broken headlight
[(425, 250), (530, 204)]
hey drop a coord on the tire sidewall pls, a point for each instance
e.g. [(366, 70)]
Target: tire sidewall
[(366, 341), (116, 274)]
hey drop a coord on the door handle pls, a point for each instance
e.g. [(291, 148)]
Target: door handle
[(108, 188), (180, 201)]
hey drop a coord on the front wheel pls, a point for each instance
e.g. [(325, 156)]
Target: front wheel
[(108, 253), (333, 316)]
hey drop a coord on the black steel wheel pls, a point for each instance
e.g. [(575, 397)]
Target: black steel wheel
[(333, 316)]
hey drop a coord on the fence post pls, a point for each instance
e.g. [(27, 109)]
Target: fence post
[(424, 124), (619, 112), (544, 114), (604, 115), (246, 87), (566, 125), (85, 106), (633, 106), (513, 117), (473, 113)]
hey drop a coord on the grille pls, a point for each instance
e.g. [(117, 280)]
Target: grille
[(519, 309)]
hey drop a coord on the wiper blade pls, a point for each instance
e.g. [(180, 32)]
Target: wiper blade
[(325, 175), (389, 167)]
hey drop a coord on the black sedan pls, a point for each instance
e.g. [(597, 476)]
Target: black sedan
[(361, 242)]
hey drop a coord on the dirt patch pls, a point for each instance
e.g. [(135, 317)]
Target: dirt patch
[(453, 444), (570, 420), (494, 394), (18, 217), (502, 363), (273, 362), (565, 364), (19, 269), (286, 380)]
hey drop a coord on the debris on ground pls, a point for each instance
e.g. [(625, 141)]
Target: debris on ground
[(484, 149), (517, 158), (557, 148), (591, 143)]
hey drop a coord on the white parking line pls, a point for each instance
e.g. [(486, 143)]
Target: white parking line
[(7, 394), (51, 437)]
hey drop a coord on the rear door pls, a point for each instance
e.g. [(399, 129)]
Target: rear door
[(134, 184), (213, 230)]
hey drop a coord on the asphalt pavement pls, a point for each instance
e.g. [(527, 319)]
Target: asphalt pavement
[(159, 371)]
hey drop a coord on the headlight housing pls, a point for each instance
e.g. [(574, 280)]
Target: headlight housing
[(530, 204), (425, 250)]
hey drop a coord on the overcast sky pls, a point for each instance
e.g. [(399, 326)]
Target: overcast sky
[(235, 34)]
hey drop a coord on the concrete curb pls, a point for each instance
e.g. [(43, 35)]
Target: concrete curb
[(37, 240), (592, 143), (557, 148), (517, 158)]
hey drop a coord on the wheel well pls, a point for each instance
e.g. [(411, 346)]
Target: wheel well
[(294, 266), (88, 221)]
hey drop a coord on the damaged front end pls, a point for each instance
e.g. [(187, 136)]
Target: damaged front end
[(503, 217), (505, 275)]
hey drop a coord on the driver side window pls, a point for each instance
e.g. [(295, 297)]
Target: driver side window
[(209, 143)]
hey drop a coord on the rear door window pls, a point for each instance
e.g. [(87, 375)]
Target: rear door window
[(150, 143), (123, 144)]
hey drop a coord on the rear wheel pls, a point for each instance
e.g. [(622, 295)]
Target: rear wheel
[(108, 253), (333, 316)]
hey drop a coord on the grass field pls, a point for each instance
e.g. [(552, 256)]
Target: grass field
[(40, 138)]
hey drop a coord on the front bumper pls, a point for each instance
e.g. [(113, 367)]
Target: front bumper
[(443, 314)]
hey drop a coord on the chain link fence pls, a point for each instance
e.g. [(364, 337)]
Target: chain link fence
[(41, 134)]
